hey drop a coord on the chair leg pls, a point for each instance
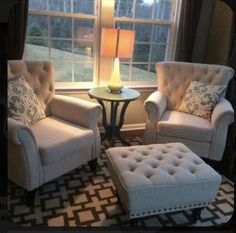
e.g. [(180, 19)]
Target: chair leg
[(30, 197), (93, 164), (196, 213)]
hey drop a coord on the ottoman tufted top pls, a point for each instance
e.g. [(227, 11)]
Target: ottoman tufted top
[(149, 166)]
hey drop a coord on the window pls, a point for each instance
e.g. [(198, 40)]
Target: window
[(67, 32), (154, 22), (64, 31)]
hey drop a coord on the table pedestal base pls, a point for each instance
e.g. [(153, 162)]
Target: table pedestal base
[(112, 130)]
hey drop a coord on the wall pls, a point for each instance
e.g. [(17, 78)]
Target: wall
[(135, 116), (219, 37)]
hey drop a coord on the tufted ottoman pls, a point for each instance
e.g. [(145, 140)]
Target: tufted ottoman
[(158, 178)]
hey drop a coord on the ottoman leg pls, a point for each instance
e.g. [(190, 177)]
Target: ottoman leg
[(135, 222), (196, 213), (93, 164)]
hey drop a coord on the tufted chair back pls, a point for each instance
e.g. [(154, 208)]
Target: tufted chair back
[(175, 77), (39, 74)]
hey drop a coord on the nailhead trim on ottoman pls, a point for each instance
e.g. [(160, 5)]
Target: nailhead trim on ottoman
[(159, 178)]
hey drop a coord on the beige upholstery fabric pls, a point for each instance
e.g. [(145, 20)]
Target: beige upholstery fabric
[(164, 122), (161, 178), (67, 138), (64, 138), (178, 124)]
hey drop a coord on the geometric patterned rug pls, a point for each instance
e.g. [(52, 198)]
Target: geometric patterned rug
[(84, 198)]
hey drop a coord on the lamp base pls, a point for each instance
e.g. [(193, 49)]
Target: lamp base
[(114, 91)]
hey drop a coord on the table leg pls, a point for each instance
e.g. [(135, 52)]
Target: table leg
[(114, 107), (121, 122), (104, 120), (112, 130)]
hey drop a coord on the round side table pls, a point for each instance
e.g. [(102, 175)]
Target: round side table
[(112, 129)]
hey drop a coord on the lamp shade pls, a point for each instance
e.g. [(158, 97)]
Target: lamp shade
[(117, 43)]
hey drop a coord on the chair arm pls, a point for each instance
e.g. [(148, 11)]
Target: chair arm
[(20, 134), (75, 110), (24, 165), (223, 109), (155, 105)]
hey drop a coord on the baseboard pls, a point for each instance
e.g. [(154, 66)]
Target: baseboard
[(130, 129)]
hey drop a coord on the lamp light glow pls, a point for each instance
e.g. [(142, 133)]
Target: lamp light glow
[(117, 43)]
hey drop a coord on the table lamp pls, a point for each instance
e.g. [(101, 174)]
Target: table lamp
[(117, 43)]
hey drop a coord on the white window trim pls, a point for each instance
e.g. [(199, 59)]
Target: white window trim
[(77, 86)]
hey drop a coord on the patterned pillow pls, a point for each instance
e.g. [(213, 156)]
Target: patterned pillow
[(201, 98), (23, 104)]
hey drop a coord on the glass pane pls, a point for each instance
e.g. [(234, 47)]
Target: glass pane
[(84, 6), (139, 72), (83, 72), (163, 9), (36, 48), (143, 9), (152, 73), (61, 27), (160, 34), (141, 52), (124, 8), (84, 30), (127, 26), (143, 32), (63, 72), (37, 26), (60, 5), (124, 71), (38, 4), (84, 36), (61, 50), (83, 51), (158, 53)]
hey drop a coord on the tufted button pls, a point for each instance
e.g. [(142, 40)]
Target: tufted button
[(124, 155), (132, 168), (150, 147), (171, 172), (196, 162), (131, 149), (148, 174), (183, 150), (145, 153), (159, 158), (192, 170), (138, 160), (164, 151), (175, 163), (154, 165), (179, 156)]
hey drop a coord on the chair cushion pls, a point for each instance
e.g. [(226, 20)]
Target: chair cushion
[(201, 98), (183, 125), (57, 138), (23, 104)]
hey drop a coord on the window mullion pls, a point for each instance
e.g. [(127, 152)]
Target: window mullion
[(73, 49), (150, 53)]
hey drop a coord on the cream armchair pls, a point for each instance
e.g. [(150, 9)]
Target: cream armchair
[(67, 138), (166, 124)]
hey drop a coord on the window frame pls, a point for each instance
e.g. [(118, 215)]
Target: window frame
[(171, 43), (73, 16), (98, 5)]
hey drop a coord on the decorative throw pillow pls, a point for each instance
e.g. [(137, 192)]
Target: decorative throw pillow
[(201, 98), (23, 104)]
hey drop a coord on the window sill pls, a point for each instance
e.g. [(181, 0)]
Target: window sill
[(84, 90)]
